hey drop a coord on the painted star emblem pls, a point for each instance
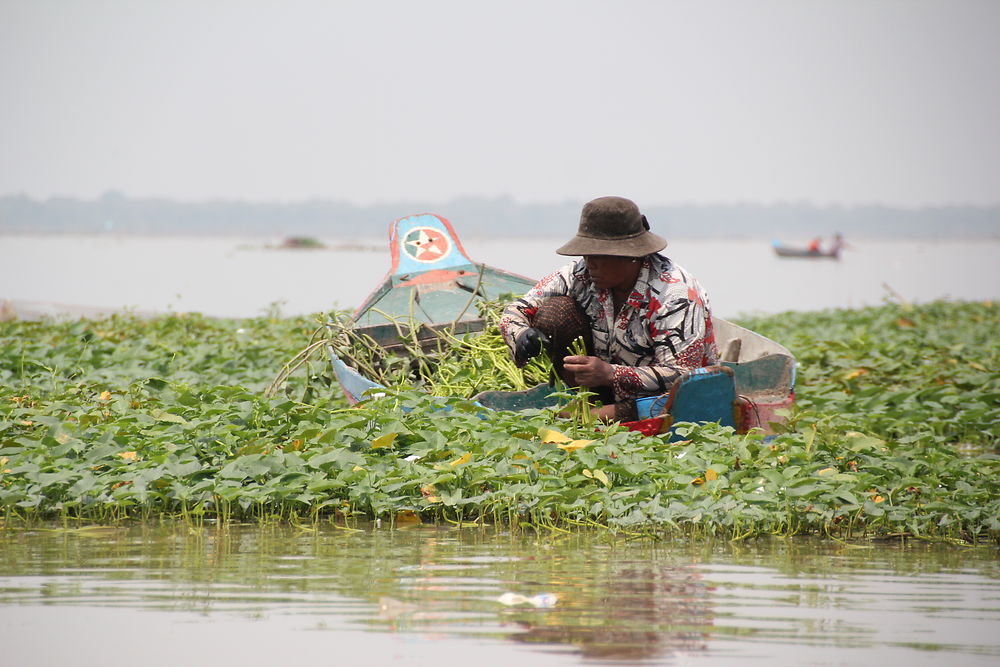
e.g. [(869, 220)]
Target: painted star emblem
[(426, 245)]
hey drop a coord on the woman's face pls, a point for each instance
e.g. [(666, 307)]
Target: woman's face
[(611, 272)]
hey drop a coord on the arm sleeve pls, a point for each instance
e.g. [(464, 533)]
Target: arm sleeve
[(680, 331), (518, 315)]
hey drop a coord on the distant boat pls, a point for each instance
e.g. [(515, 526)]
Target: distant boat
[(302, 243), (782, 250)]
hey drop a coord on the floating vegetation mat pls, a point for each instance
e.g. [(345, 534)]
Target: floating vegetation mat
[(895, 433)]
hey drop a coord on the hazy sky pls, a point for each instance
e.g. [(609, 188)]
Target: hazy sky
[(842, 101)]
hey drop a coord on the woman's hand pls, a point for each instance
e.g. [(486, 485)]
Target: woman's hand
[(589, 371)]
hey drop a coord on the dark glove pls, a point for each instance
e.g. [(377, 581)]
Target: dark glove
[(528, 345)]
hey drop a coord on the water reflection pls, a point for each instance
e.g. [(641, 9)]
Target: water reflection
[(597, 599), (627, 611)]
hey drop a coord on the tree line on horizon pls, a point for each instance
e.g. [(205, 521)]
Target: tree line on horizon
[(482, 217)]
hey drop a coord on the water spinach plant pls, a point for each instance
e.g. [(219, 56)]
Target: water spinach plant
[(895, 433), (440, 363)]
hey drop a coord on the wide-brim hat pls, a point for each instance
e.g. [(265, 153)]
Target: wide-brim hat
[(613, 226)]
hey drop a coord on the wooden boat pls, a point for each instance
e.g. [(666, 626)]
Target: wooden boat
[(432, 282), (805, 253)]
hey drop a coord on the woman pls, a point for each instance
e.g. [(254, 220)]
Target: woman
[(644, 319)]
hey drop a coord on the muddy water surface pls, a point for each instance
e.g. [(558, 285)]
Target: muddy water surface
[(252, 595)]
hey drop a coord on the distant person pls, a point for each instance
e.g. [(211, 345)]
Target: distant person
[(814, 245), (837, 244), (645, 320)]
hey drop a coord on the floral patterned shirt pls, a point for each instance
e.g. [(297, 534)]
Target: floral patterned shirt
[(663, 329)]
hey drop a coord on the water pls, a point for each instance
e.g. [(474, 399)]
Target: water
[(269, 595), (242, 277)]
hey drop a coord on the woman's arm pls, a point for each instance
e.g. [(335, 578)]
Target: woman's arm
[(681, 340), (518, 314)]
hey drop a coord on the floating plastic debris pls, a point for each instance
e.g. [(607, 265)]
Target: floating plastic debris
[(542, 600)]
